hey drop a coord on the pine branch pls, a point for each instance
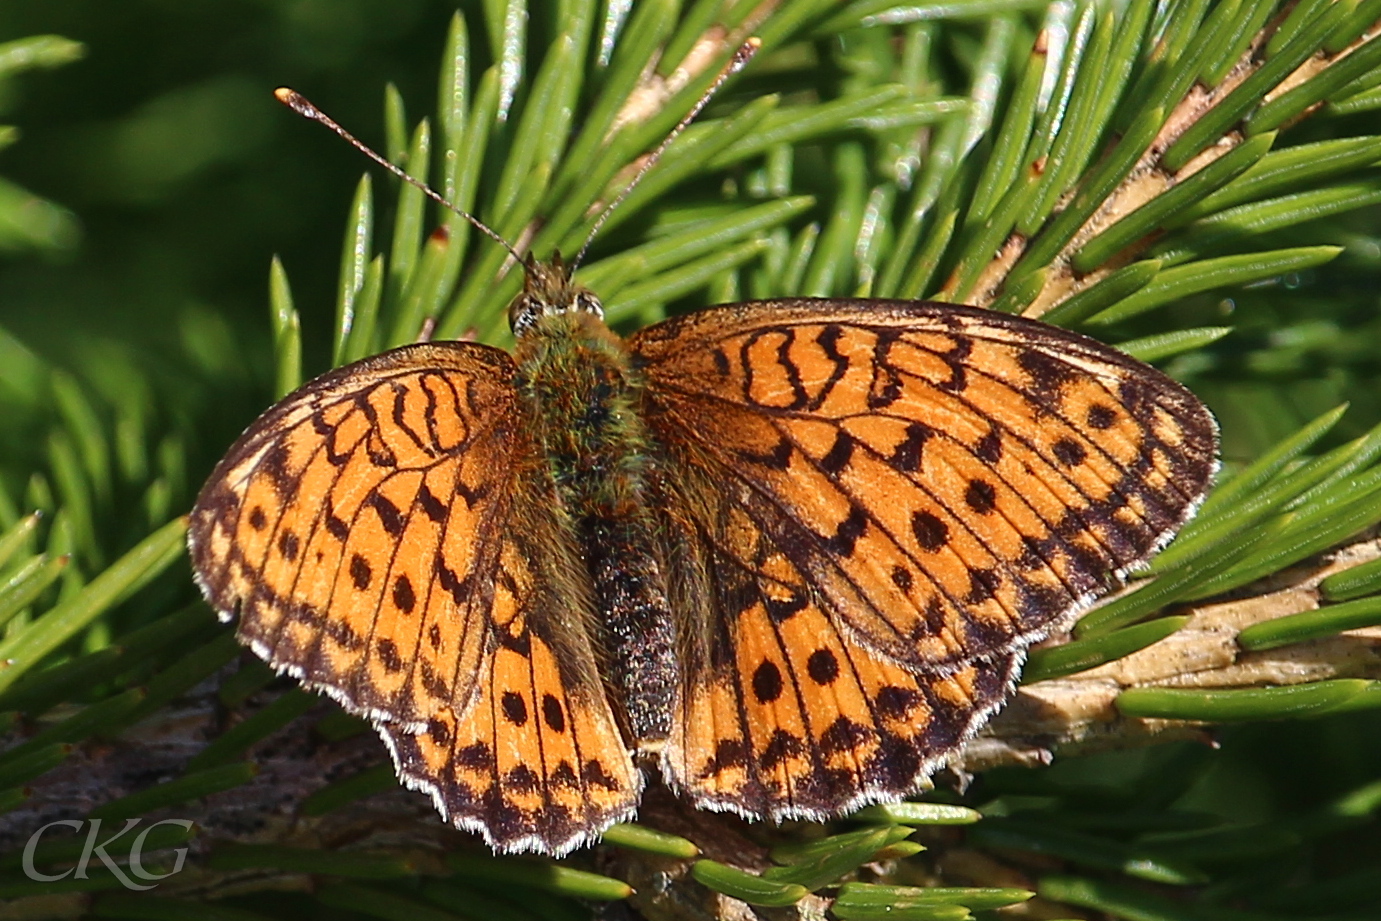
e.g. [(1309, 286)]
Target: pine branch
[(320, 781)]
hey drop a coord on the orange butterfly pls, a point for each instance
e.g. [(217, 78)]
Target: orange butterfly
[(790, 553)]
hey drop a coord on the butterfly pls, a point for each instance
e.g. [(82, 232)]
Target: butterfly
[(789, 553)]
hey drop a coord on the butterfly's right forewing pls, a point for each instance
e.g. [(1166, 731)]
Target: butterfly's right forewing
[(953, 482)]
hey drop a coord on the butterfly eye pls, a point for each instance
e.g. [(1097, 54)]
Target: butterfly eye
[(588, 303), (523, 312)]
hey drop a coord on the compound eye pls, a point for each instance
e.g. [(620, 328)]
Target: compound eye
[(522, 313), (587, 302)]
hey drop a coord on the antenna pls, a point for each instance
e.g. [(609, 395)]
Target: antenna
[(742, 56), (302, 106)]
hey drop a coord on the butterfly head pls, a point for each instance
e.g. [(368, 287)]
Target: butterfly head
[(549, 290)]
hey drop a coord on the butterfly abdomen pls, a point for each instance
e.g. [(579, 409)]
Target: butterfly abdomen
[(582, 394)]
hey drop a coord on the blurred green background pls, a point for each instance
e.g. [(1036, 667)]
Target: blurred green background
[(183, 176)]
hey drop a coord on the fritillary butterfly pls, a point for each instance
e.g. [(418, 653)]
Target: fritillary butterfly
[(790, 553)]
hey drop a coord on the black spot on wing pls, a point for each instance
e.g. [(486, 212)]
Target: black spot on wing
[(843, 735), (781, 745), (360, 573), (514, 708), (983, 585), (931, 533), (781, 608), (335, 525), (520, 642), (431, 681), (564, 775), (440, 732), (452, 584), (894, 702), (477, 756), (728, 754), (471, 494), (1048, 374), (1069, 452), (839, 454), (906, 457), (593, 774), (553, 713), (388, 513), (523, 779), (777, 458), (846, 536), (989, 447), (388, 655), (981, 496), (404, 598), (822, 666), (767, 682), (1101, 416), (431, 506)]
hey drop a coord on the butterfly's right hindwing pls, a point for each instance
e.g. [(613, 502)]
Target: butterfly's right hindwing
[(873, 509)]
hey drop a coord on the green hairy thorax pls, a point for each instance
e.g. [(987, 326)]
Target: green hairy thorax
[(581, 391)]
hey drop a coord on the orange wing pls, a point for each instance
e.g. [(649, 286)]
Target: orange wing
[(375, 533), (535, 761), (916, 492), (785, 712)]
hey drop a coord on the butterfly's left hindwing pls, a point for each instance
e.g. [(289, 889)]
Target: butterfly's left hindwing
[(373, 533), (920, 491), (534, 762)]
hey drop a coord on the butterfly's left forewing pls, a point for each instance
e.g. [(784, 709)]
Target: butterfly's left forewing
[(915, 491), (338, 526)]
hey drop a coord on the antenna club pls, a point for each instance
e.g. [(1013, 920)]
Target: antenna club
[(299, 104), (295, 101), (736, 63)]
